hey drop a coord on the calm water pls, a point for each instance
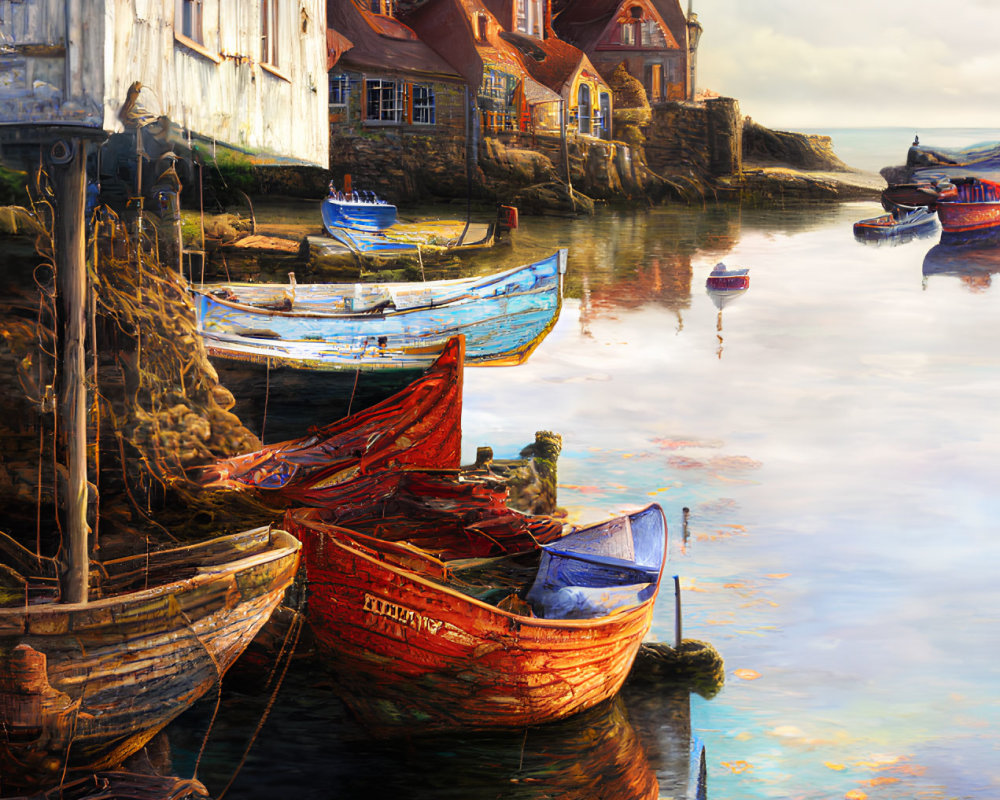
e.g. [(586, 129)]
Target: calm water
[(833, 432)]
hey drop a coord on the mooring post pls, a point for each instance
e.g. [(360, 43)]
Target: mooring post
[(677, 612), (67, 158)]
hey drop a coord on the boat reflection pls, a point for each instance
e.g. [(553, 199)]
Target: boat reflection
[(635, 746), (974, 266)]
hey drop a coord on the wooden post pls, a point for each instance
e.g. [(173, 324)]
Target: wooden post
[(677, 612), (69, 182)]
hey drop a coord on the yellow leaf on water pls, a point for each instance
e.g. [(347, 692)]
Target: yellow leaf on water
[(746, 674), (831, 765), (777, 576), (736, 767), (856, 794), (657, 491), (883, 781)]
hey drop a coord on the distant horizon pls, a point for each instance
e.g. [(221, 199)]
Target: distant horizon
[(896, 64)]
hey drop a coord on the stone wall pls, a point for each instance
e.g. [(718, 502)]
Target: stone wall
[(403, 162), (702, 140)]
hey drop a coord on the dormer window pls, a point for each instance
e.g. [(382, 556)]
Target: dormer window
[(481, 27), (383, 7)]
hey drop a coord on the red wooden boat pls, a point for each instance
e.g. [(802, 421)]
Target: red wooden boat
[(459, 617), (721, 278), (969, 209), (909, 194), (418, 427)]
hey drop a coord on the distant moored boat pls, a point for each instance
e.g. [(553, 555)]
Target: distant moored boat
[(969, 209)]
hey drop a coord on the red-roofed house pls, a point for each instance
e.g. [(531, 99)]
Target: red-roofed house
[(466, 34), (649, 36), (556, 64)]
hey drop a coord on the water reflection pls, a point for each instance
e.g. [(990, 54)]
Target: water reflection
[(636, 746), (974, 266)]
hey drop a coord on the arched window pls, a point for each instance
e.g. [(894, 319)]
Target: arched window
[(583, 109), (604, 103)]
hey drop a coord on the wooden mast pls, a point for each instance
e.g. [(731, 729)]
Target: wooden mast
[(69, 181)]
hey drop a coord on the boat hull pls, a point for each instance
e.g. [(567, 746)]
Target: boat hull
[(281, 403), (419, 427), (412, 654), (728, 283), (962, 222), (84, 686), (969, 210), (503, 318), (914, 222), (358, 216)]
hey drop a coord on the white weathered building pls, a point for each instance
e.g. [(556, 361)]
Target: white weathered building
[(250, 74)]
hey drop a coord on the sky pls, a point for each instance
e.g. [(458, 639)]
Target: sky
[(795, 64)]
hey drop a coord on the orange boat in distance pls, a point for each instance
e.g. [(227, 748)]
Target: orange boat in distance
[(465, 619)]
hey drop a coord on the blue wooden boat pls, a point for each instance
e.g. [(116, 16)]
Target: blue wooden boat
[(900, 220), (357, 213), (335, 327), (288, 372)]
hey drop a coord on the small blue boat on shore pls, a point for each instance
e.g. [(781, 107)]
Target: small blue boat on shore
[(358, 213)]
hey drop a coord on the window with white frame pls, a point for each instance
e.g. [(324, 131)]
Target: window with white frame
[(189, 20), (423, 104), (269, 32), (340, 89), (382, 101)]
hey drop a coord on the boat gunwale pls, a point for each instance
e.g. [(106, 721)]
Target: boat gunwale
[(470, 284), (278, 549), (625, 613)]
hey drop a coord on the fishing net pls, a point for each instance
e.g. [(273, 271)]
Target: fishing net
[(156, 409)]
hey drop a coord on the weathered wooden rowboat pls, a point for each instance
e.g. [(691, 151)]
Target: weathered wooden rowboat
[(419, 427), (85, 685), (425, 634), (336, 327), (283, 386), (969, 210), (430, 237)]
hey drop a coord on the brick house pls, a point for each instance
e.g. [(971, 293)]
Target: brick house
[(388, 82)]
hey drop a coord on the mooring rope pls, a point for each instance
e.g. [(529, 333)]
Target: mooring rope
[(267, 394), (296, 625)]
